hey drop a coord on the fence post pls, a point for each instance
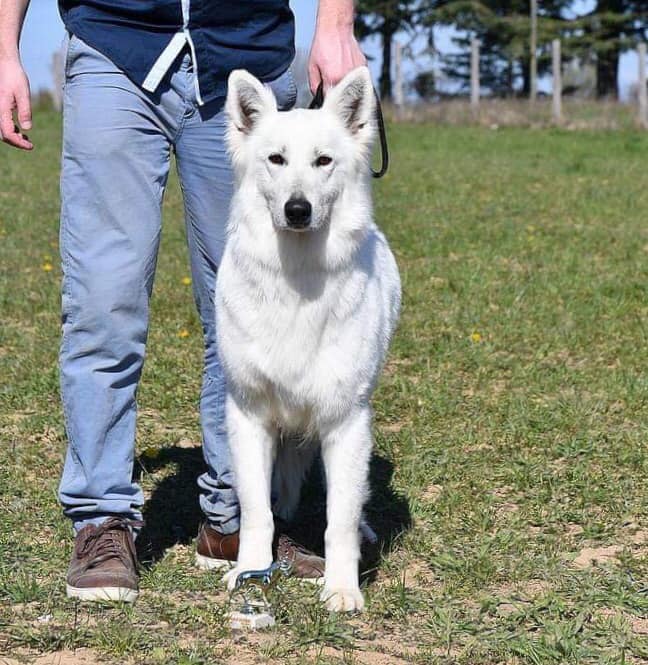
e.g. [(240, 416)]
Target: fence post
[(398, 79), (642, 92), (533, 53), (556, 66), (474, 76)]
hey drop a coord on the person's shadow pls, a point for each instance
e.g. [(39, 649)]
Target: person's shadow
[(172, 514)]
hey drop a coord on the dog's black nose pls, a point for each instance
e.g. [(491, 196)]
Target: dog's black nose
[(298, 213)]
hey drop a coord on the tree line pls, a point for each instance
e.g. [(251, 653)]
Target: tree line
[(598, 36)]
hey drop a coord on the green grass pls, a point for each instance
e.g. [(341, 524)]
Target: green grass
[(511, 422)]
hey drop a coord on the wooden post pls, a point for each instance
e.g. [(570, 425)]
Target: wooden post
[(533, 53), (474, 76), (398, 78), (556, 66), (642, 92)]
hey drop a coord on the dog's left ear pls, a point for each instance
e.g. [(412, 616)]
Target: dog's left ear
[(247, 100), (353, 100)]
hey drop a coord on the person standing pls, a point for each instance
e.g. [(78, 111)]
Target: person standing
[(144, 78)]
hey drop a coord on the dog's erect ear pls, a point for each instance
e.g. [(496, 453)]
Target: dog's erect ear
[(353, 99), (247, 100)]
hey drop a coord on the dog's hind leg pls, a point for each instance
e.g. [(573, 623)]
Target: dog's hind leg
[(346, 450), (294, 459), (252, 445)]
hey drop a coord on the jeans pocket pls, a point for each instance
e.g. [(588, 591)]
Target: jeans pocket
[(82, 58), (71, 48), (284, 89)]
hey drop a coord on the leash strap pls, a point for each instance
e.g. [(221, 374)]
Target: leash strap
[(318, 100)]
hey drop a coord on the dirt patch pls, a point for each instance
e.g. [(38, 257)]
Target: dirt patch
[(640, 538), (639, 625), (432, 493), (394, 364), (188, 443), (393, 428), (590, 556), (574, 530), (510, 596), (634, 534), (394, 650), (66, 657), (502, 492), (246, 645), (416, 571), (477, 448), (378, 658), (534, 588), (507, 508)]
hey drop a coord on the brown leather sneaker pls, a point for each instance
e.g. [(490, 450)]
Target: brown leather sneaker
[(215, 550), (299, 561), (104, 562)]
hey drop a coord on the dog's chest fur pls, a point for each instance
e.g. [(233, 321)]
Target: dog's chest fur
[(298, 344)]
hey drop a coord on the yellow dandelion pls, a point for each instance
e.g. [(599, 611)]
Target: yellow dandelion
[(476, 337), (186, 281), (183, 333), (47, 267)]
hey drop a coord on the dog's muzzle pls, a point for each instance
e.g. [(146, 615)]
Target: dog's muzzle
[(298, 213)]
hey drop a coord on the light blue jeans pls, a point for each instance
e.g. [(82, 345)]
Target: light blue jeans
[(117, 143)]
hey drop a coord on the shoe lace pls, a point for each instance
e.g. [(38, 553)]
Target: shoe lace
[(287, 552), (104, 543)]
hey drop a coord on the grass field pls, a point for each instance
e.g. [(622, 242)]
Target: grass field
[(509, 480)]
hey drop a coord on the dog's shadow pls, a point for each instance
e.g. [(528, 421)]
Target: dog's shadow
[(172, 514)]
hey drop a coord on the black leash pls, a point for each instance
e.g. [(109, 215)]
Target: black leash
[(318, 100)]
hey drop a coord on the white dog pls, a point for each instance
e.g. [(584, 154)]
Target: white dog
[(307, 298)]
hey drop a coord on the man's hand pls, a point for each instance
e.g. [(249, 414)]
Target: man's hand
[(14, 97), (335, 51)]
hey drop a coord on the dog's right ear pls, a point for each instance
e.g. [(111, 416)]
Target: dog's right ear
[(353, 100), (247, 100)]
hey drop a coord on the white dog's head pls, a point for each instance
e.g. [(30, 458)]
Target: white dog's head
[(300, 161)]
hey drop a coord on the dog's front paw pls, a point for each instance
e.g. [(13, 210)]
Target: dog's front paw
[(342, 600), (229, 579)]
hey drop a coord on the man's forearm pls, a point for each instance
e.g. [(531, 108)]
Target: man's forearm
[(12, 15), (335, 14), (335, 51)]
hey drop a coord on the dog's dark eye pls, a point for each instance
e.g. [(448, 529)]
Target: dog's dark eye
[(323, 160), (276, 158)]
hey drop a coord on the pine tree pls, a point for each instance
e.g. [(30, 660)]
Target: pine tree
[(612, 27), (503, 29)]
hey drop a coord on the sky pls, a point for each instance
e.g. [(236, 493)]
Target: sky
[(43, 34)]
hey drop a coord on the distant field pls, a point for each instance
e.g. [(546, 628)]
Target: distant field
[(578, 114), (509, 482)]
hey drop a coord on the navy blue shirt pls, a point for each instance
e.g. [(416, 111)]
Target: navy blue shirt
[(143, 37)]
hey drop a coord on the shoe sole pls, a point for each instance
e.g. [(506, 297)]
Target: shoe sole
[(317, 581), (209, 563), (115, 594)]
